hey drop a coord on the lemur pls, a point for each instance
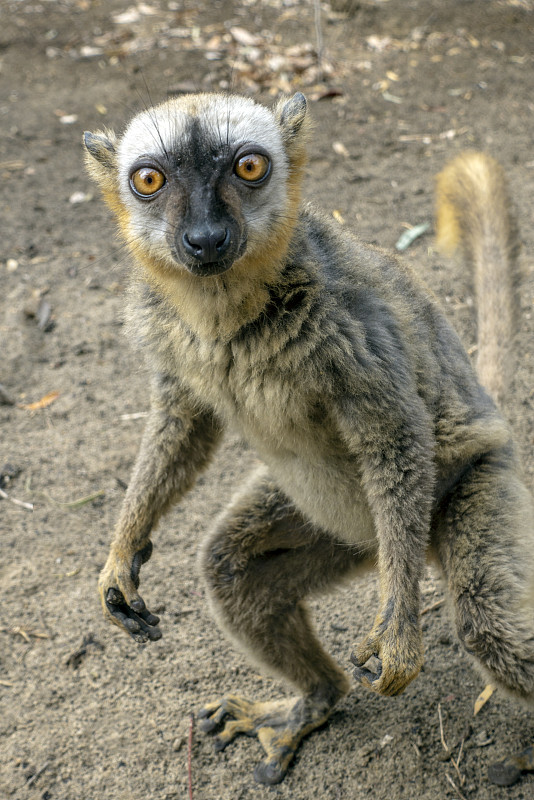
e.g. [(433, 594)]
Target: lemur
[(379, 446)]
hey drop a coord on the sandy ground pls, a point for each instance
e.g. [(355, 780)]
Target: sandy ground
[(85, 713)]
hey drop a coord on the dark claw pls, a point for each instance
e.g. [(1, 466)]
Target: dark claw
[(269, 773), (508, 771), (353, 658), (219, 744), (150, 619), (364, 676), (209, 725), (504, 773), (141, 626), (154, 634)]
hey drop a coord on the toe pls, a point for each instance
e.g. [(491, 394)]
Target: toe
[(504, 773), (269, 772)]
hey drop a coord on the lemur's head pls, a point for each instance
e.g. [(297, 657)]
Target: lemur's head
[(203, 181)]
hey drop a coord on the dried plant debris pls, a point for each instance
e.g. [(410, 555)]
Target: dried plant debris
[(38, 308), (7, 474), (409, 236), (75, 658), (483, 698), (43, 402), (251, 61)]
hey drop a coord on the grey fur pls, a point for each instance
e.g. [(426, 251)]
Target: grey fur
[(380, 446)]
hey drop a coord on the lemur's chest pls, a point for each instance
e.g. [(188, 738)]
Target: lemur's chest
[(259, 397), (282, 412)]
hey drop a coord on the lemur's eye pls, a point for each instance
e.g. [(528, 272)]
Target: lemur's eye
[(253, 167), (146, 181)]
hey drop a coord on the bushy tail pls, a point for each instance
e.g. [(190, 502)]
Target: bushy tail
[(474, 217)]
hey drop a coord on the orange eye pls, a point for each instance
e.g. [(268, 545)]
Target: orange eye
[(146, 181), (252, 167)]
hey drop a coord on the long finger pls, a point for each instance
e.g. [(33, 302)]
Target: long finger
[(142, 624)]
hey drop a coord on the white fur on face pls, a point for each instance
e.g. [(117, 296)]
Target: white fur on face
[(224, 119)]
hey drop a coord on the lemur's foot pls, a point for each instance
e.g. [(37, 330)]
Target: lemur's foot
[(279, 725), (397, 644), (508, 771)]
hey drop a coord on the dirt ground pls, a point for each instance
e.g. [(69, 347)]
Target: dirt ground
[(84, 712)]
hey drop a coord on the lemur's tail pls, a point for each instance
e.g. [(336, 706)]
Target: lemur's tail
[(474, 216)]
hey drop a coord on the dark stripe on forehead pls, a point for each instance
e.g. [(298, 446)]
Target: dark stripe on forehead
[(203, 148)]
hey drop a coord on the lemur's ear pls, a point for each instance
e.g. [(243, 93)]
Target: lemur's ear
[(291, 115), (101, 146), (101, 164)]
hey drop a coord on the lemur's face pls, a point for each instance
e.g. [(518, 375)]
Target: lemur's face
[(203, 179)]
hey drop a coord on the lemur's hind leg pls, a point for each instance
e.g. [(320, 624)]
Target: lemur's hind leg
[(260, 563), (484, 540)]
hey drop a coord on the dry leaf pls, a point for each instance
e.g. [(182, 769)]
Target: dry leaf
[(483, 698), (12, 165), (340, 149), (147, 10), (42, 403), (391, 98), (245, 38), (87, 51), (80, 197), (378, 43), (127, 17), (409, 236)]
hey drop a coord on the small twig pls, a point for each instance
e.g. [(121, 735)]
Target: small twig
[(456, 789), (460, 752), (190, 757), (135, 415), (456, 764), (6, 683), (443, 742), (318, 33), (70, 574), (433, 607), (74, 504), (37, 774), (5, 496), (18, 631)]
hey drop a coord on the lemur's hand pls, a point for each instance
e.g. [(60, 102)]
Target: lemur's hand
[(121, 602), (397, 642)]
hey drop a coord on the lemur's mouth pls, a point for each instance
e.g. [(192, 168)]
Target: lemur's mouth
[(209, 269)]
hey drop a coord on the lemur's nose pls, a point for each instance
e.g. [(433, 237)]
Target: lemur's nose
[(208, 244)]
